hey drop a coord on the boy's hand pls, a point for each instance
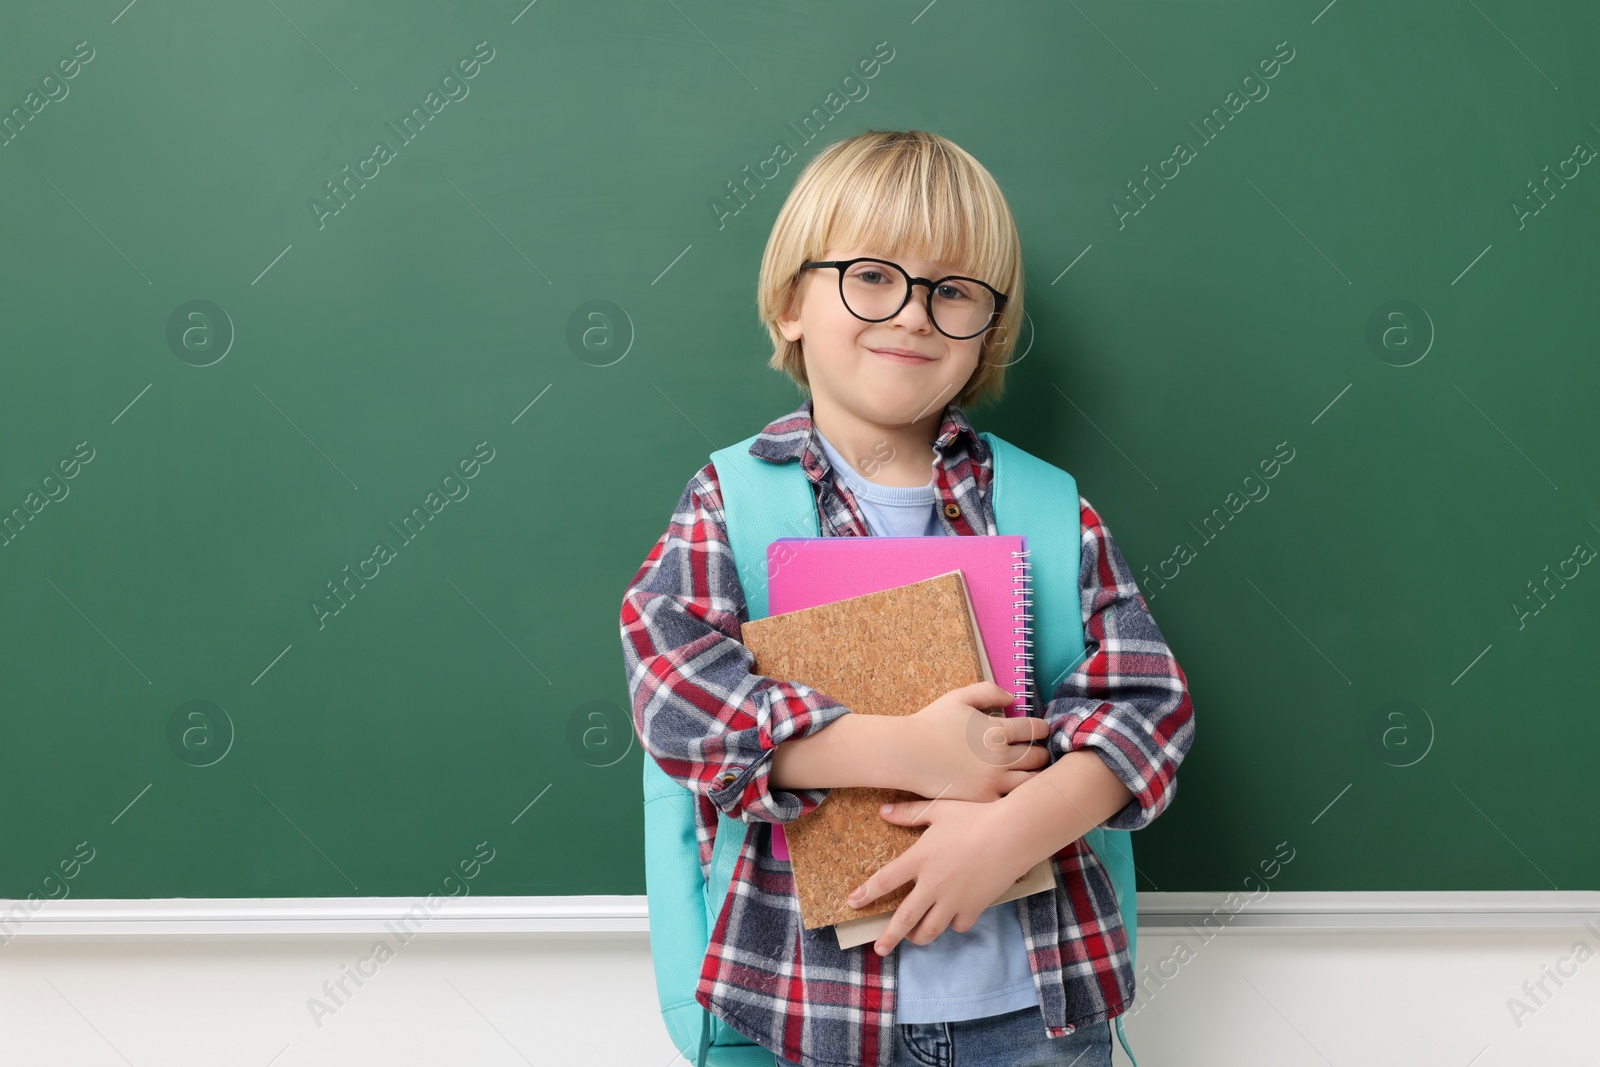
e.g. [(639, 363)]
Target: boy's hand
[(955, 751), (961, 863)]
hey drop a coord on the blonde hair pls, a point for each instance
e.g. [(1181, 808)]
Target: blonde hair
[(899, 193)]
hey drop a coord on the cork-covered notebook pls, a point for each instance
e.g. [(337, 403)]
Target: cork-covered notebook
[(890, 652)]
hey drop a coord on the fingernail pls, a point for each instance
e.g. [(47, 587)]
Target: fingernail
[(883, 809)]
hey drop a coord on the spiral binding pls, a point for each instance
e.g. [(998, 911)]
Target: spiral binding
[(1022, 647)]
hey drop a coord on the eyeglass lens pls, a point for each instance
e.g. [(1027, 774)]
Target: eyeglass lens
[(875, 290)]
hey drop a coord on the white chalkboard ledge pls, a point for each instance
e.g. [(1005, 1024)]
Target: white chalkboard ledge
[(306, 918)]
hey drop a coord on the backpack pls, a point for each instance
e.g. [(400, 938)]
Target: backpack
[(763, 501)]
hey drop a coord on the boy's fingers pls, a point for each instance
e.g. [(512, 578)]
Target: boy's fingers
[(1032, 758), (1026, 728), (1009, 741), (931, 926), (901, 923), (984, 695), (887, 878)]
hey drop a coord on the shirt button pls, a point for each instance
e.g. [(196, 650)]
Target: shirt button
[(952, 511), (727, 780)]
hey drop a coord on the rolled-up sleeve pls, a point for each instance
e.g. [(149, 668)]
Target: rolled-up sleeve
[(707, 721), (1127, 698)]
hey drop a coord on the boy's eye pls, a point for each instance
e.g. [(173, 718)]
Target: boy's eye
[(954, 291), (870, 275)]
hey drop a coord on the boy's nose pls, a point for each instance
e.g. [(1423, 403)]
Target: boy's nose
[(915, 313)]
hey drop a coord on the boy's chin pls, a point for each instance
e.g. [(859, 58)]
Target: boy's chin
[(890, 403), (910, 408)]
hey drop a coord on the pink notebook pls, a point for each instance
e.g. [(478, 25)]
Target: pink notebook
[(807, 571)]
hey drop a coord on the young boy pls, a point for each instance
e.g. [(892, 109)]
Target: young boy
[(892, 288)]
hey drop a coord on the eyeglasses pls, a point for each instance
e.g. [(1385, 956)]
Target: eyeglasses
[(876, 290)]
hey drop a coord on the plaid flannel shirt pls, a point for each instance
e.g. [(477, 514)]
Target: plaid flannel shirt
[(712, 725)]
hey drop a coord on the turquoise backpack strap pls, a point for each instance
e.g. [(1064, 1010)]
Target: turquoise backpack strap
[(761, 502), (1032, 497)]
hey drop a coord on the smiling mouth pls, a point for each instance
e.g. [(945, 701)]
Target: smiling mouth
[(899, 357)]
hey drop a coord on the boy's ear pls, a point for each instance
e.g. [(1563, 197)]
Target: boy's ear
[(789, 319)]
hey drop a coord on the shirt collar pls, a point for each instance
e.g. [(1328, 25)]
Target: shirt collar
[(794, 436)]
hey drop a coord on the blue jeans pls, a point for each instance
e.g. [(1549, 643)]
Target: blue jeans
[(1015, 1039)]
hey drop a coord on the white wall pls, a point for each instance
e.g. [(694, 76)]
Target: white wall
[(1350, 999), (1246, 997)]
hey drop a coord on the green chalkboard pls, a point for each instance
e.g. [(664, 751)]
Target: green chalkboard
[(355, 355)]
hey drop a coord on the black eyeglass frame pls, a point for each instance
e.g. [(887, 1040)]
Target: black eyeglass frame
[(911, 284)]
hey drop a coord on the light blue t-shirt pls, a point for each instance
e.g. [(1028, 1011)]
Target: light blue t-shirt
[(957, 976)]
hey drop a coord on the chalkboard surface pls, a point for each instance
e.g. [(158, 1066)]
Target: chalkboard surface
[(355, 355)]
